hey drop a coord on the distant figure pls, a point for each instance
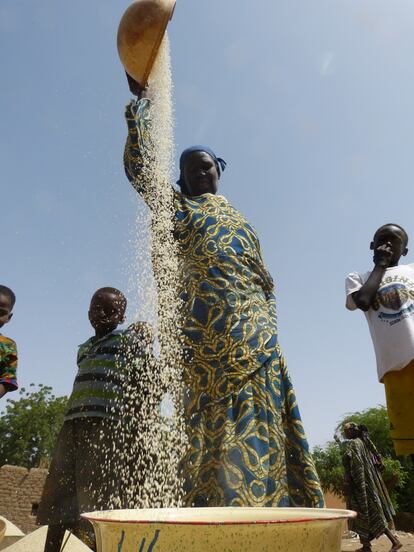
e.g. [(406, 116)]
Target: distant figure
[(365, 490), (247, 443), (85, 471), (8, 351), (386, 295)]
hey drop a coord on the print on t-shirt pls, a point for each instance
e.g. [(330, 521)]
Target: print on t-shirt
[(395, 299)]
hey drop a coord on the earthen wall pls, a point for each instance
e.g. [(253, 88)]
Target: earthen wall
[(20, 493)]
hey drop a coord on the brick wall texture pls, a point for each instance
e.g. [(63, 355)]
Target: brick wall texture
[(20, 492)]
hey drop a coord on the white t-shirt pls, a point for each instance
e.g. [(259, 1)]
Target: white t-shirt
[(391, 318)]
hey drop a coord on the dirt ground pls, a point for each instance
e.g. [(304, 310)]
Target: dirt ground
[(382, 544)]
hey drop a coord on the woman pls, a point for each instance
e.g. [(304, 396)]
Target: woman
[(365, 490), (247, 442)]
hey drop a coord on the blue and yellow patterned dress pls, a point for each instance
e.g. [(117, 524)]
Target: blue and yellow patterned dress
[(247, 442)]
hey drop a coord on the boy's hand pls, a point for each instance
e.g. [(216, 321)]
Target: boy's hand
[(136, 89), (383, 255)]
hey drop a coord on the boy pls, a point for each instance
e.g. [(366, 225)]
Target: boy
[(8, 351), (386, 295), (85, 473)]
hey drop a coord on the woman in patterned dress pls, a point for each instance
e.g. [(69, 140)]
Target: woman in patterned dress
[(247, 442), (365, 491)]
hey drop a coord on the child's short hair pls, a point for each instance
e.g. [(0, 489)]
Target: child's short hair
[(397, 226), (120, 296), (4, 290)]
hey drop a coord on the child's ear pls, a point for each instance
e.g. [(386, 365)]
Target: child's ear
[(10, 317), (404, 253), (371, 245)]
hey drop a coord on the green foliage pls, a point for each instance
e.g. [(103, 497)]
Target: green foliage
[(328, 462), (395, 477), (406, 493), (398, 473), (376, 420), (29, 427)]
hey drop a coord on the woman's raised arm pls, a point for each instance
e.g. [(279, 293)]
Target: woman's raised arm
[(138, 154)]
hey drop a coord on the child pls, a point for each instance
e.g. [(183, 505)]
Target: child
[(8, 351), (85, 471), (386, 295)]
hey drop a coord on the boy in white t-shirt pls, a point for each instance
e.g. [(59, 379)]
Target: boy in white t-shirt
[(386, 295)]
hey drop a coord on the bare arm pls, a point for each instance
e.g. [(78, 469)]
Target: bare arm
[(365, 296)]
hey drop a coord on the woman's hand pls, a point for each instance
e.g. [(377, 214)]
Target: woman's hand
[(346, 486), (378, 462), (136, 89)]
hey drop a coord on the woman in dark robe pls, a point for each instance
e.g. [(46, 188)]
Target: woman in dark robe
[(365, 490)]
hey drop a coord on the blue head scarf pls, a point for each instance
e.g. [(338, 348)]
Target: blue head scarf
[(220, 163)]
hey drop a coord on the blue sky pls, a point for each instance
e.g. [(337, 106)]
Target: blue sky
[(311, 105)]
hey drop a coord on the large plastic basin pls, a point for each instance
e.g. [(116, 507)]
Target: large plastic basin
[(220, 529)]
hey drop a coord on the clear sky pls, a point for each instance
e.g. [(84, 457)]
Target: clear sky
[(311, 105)]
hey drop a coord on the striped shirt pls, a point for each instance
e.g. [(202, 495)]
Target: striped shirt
[(8, 363), (102, 375)]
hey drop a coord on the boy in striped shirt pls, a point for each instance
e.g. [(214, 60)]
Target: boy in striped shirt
[(84, 473), (8, 351)]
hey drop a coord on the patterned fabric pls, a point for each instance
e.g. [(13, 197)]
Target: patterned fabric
[(100, 382), (367, 493), (247, 442), (8, 363)]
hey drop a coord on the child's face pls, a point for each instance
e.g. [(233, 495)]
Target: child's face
[(394, 238), (6, 308), (106, 312)]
